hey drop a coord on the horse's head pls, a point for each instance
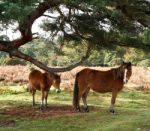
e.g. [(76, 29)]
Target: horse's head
[(128, 67), (56, 82)]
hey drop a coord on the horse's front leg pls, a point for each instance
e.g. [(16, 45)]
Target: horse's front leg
[(33, 97), (86, 108), (46, 96), (42, 100), (113, 99), (33, 100)]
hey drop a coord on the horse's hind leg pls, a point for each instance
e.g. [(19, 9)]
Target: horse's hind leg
[(78, 109), (113, 99), (78, 105), (84, 98)]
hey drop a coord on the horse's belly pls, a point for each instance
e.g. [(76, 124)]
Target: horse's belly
[(38, 88), (102, 88)]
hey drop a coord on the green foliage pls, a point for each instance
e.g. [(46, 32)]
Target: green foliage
[(102, 22), (147, 36), (12, 90), (3, 58), (71, 54), (14, 61), (105, 24), (144, 63), (50, 54), (103, 57), (138, 57), (96, 58), (38, 50), (4, 37), (6, 60), (16, 10)]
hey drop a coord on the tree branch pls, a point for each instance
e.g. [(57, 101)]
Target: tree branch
[(49, 16), (25, 26), (131, 45), (18, 54), (125, 10)]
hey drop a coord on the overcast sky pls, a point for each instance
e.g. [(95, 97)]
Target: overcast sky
[(13, 35)]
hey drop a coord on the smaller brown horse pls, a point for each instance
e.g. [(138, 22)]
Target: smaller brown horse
[(43, 82), (100, 81)]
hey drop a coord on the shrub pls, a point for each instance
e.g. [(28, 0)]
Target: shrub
[(14, 61), (144, 63)]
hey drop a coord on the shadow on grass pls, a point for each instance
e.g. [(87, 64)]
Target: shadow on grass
[(7, 123), (36, 113)]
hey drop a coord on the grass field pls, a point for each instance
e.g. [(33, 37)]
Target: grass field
[(17, 114)]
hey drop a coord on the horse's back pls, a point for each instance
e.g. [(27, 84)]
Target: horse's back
[(84, 75), (88, 73), (35, 74), (100, 81)]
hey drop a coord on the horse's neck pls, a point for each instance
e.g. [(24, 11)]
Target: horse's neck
[(118, 73)]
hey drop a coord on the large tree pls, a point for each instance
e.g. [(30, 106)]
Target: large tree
[(99, 23)]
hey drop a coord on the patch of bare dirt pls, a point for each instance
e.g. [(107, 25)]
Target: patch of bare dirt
[(7, 123), (34, 113)]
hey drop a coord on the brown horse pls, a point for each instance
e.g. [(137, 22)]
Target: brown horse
[(100, 81), (43, 82)]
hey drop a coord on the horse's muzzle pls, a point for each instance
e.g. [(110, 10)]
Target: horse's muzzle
[(125, 81)]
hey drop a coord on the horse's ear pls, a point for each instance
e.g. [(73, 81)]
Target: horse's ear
[(59, 75), (129, 64)]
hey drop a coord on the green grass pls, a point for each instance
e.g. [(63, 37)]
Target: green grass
[(133, 112)]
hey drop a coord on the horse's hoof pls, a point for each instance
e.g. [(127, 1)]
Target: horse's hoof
[(33, 104), (86, 109), (46, 106), (41, 108), (112, 111), (78, 110)]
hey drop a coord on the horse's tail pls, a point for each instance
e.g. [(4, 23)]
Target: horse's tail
[(76, 92)]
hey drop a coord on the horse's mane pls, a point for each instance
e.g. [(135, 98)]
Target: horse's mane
[(118, 73), (56, 76)]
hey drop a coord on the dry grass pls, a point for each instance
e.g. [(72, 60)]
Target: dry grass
[(19, 74), (14, 74)]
